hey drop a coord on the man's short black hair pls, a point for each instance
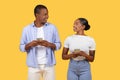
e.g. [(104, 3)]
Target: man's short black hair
[(38, 8)]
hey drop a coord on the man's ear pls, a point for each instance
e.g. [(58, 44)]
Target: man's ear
[(36, 14)]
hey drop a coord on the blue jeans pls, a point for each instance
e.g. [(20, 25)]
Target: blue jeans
[(79, 70)]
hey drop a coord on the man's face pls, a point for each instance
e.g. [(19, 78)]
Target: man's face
[(42, 16)]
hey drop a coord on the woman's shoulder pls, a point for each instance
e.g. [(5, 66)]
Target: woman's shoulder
[(90, 38), (69, 37)]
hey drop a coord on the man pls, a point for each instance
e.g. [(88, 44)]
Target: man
[(40, 39)]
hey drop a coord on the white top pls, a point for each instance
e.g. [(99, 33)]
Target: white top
[(41, 50), (83, 43)]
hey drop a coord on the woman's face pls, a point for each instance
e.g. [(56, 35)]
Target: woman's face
[(78, 26)]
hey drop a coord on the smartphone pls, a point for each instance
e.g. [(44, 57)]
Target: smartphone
[(76, 50), (39, 39)]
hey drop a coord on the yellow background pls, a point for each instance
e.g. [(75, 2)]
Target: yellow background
[(103, 16)]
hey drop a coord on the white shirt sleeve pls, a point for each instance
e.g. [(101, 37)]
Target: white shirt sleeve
[(92, 44), (66, 43)]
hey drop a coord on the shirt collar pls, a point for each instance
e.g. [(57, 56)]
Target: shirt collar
[(46, 24)]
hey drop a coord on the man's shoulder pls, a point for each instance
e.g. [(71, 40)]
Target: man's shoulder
[(50, 25), (29, 26)]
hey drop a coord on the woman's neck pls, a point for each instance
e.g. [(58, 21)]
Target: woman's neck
[(80, 33)]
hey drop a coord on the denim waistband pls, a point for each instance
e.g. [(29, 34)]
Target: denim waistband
[(78, 60)]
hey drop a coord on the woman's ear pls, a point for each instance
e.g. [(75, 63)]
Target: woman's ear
[(83, 27)]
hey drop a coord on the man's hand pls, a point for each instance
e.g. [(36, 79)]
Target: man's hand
[(46, 44), (31, 44), (43, 43)]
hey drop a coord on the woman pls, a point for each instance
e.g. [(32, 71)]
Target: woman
[(82, 51)]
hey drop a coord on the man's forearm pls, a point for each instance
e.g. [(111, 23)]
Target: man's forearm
[(52, 45), (27, 47)]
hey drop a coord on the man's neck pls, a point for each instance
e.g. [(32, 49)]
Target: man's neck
[(38, 23)]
